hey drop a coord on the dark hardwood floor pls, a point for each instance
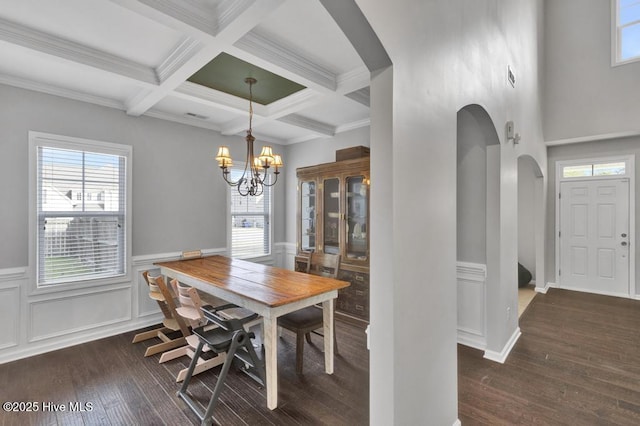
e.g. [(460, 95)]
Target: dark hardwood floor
[(576, 363), (125, 388)]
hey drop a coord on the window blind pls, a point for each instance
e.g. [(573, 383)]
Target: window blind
[(250, 221), (81, 205)]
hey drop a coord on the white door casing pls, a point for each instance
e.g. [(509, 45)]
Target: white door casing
[(594, 236)]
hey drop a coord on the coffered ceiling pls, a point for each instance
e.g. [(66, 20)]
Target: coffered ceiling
[(146, 57)]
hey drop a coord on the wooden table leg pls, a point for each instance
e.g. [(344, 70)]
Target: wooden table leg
[(327, 319), (271, 360)]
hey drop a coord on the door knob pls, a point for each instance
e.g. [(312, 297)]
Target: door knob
[(623, 235), (624, 243)]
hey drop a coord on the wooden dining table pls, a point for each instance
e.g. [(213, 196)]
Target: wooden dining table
[(266, 290)]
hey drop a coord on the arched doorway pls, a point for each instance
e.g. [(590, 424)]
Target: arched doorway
[(530, 229), (478, 195)]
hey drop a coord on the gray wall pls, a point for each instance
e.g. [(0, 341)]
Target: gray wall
[(471, 190), (627, 146), (445, 54), (526, 219), (584, 94), (179, 197)]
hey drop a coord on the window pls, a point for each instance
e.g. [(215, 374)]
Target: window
[(250, 221), (617, 168), (626, 29), (78, 239)]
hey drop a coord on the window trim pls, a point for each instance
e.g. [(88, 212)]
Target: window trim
[(616, 40), (37, 139), (628, 160), (265, 257)]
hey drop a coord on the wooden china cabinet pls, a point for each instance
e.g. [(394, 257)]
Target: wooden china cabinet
[(333, 218)]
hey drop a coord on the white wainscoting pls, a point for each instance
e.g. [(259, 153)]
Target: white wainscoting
[(63, 314), (471, 283), (11, 281), (32, 324), (284, 254)]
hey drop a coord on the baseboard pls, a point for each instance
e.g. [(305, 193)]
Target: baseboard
[(472, 340), (501, 356), (544, 289), (359, 322), (37, 349)]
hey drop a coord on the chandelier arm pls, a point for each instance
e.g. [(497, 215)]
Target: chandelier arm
[(274, 180), (256, 169)]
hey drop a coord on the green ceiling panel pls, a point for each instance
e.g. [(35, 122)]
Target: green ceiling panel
[(226, 73)]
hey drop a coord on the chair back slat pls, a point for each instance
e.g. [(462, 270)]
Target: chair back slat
[(326, 265), (190, 303)]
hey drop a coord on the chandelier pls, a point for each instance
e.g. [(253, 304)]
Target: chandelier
[(254, 177)]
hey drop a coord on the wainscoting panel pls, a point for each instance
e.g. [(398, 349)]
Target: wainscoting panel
[(146, 305), (9, 315), (55, 317), (285, 254), (471, 283)]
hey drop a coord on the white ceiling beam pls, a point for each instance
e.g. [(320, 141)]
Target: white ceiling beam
[(362, 96), (206, 96), (261, 51), (65, 49), (353, 125), (212, 30), (59, 91), (309, 124)]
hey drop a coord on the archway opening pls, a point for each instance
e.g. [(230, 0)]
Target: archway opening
[(478, 186), (530, 210)]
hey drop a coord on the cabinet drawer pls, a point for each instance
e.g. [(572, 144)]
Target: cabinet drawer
[(354, 300), (354, 277)]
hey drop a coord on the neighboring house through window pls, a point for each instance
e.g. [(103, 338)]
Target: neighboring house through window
[(250, 234), (626, 31), (80, 238)]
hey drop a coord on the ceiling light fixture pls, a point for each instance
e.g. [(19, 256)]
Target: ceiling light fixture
[(254, 177)]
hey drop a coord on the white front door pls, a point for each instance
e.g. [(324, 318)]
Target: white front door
[(594, 236)]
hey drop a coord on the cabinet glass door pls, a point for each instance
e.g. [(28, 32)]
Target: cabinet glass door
[(357, 215), (331, 219), (308, 216)]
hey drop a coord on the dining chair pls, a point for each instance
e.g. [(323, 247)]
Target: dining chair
[(172, 322), (307, 320), (232, 339), (189, 307)]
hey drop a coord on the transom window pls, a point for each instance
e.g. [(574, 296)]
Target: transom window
[(626, 30), (250, 221), (81, 209), (618, 168)]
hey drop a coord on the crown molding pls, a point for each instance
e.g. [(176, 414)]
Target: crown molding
[(75, 52), (229, 11), (57, 91), (261, 46), (592, 138), (191, 13), (205, 95), (308, 124), (354, 80), (182, 54), (353, 125), (362, 96)]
